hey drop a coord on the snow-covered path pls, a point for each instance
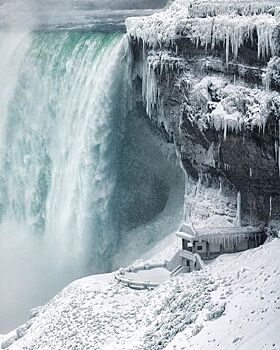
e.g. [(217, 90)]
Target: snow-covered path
[(233, 304)]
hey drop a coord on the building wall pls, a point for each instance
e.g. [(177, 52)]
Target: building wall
[(214, 248), (225, 245), (201, 245), (242, 245)]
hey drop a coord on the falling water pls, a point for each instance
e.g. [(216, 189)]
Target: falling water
[(61, 121), (76, 175)]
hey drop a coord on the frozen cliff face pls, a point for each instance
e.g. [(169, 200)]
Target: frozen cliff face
[(208, 74)]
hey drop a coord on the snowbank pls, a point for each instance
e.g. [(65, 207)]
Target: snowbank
[(249, 287)]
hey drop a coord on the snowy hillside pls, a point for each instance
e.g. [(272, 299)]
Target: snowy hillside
[(233, 304)]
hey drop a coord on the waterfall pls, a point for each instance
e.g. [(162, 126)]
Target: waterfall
[(61, 131), (59, 148), (81, 176)]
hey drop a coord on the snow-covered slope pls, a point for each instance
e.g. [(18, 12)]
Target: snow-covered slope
[(233, 304)]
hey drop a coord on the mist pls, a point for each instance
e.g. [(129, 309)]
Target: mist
[(30, 274), (41, 14), (121, 4)]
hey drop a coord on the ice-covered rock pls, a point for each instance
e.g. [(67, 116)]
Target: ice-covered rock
[(209, 79), (231, 31)]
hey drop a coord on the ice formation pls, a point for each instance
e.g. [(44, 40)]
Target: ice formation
[(239, 106), (210, 72), (229, 30), (272, 73), (204, 8), (236, 23), (238, 213)]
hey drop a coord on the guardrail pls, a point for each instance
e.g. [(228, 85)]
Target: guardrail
[(195, 260), (199, 262), (139, 285), (188, 255)]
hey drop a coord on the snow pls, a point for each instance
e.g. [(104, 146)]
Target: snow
[(233, 303), (250, 290), (159, 275), (160, 28), (204, 8)]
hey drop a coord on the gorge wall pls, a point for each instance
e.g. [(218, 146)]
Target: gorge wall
[(208, 74)]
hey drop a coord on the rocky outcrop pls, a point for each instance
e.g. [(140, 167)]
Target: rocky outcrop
[(208, 74)]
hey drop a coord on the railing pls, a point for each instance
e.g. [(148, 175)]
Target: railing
[(174, 272), (129, 282), (188, 255), (180, 270), (196, 263), (199, 262)]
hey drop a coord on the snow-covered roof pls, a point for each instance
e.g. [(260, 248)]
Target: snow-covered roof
[(187, 231)]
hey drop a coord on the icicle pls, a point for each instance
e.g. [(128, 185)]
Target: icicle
[(251, 173), (198, 185), (279, 146), (279, 160), (238, 213), (270, 208), (226, 166), (220, 191), (225, 130), (276, 149), (267, 80), (227, 47)]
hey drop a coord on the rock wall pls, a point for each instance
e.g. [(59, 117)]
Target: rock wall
[(208, 75)]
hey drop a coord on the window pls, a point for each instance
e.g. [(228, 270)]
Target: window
[(199, 247)]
